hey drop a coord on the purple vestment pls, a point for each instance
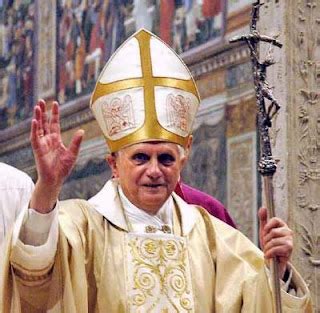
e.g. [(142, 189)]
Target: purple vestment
[(212, 205)]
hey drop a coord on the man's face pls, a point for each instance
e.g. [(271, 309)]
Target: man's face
[(148, 173)]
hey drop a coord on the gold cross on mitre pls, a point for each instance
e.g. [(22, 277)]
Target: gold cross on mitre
[(145, 93)]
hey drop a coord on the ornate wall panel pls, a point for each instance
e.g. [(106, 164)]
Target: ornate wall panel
[(206, 168), (212, 84), (241, 148), (242, 183), (296, 130), (305, 85), (241, 116)]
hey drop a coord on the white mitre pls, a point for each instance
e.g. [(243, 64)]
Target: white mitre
[(145, 93)]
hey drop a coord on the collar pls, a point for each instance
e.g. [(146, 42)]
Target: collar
[(107, 203)]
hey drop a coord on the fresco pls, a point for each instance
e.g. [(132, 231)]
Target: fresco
[(185, 24), (235, 5), (17, 25), (46, 56), (90, 31), (40, 59)]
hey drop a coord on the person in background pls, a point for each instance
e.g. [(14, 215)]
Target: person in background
[(15, 191), (194, 196)]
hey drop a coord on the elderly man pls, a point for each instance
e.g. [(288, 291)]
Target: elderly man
[(136, 246)]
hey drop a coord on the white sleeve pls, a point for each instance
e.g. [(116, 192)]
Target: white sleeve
[(35, 239), (289, 286), (25, 192)]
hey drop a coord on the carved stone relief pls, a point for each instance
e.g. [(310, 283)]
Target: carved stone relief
[(306, 99), (242, 183), (296, 132)]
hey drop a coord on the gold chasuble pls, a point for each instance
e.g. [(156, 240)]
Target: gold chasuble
[(101, 267)]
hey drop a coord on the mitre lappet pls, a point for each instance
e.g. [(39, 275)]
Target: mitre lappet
[(145, 92)]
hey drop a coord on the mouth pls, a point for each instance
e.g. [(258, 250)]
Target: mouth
[(153, 186)]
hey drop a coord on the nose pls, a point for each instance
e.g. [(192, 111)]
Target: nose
[(154, 170)]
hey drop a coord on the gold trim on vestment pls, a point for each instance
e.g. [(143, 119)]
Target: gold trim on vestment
[(159, 277)]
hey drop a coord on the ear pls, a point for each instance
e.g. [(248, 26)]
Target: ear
[(188, 146), (186, 151), (112, 161)]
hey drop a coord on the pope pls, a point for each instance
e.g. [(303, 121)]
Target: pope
[(136, 246)]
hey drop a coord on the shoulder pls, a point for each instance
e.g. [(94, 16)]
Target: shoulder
[(12, 177), (195, 196), (208, 202), (78, 212)]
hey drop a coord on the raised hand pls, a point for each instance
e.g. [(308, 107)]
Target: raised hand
[(54, 161), (276, 239)]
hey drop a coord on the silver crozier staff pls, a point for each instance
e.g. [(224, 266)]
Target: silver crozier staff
[(266, 110)]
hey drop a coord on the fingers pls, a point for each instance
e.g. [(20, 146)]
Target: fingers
[(44, 117), (276, 238), (74, 146), (263, 218), (54, 125), (277, 233), (46, 125), (34, 137), (37, 130), (273, 228), (263, 215), (274, 222), (40, 125), (279, 247)]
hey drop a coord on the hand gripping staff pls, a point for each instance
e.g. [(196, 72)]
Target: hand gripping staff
[(267, 107)]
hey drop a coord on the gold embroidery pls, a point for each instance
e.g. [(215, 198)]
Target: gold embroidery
[(178, 112), (159, 277), (166, 229), (150, 229), (153, 229), (118, 114)]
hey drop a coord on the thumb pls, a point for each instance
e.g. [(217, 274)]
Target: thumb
[(263, 219), (74, 146)]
